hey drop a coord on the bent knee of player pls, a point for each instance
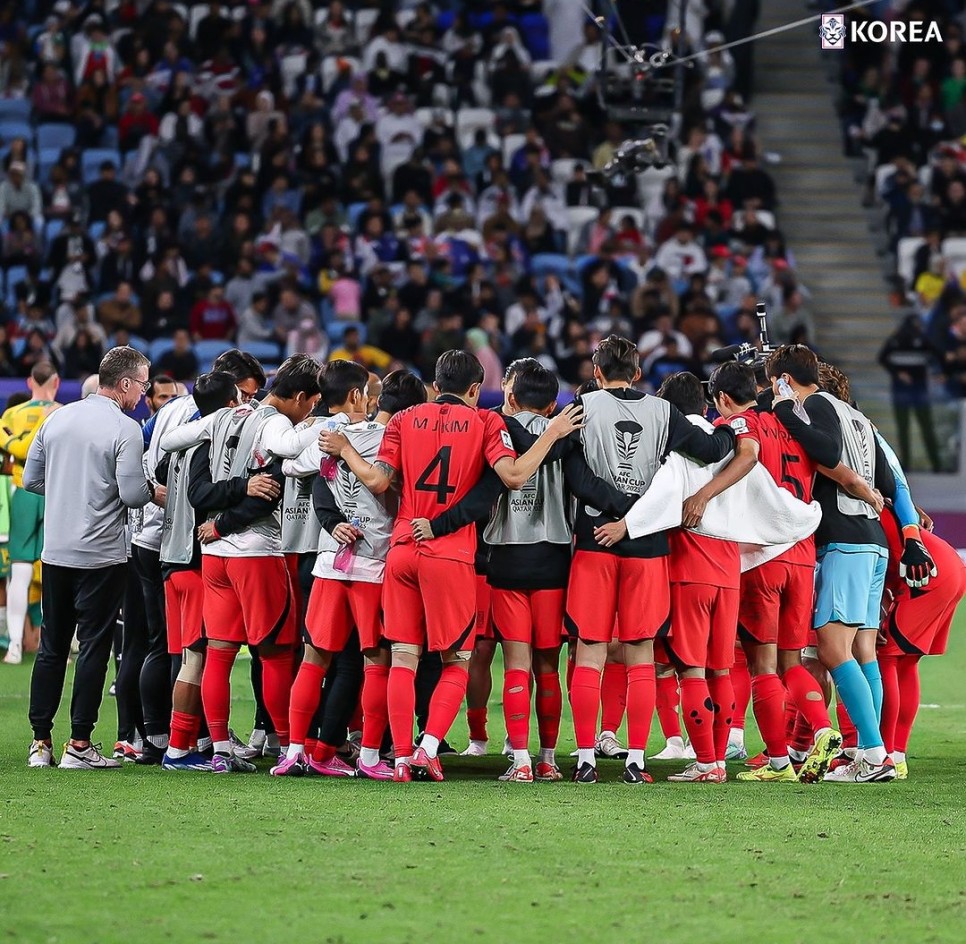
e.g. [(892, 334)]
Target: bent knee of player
[(192, 665), (460, 657), (639, 653), (406, 654)]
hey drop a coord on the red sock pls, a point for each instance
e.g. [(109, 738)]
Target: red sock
[(641, 696), (909, 694), (445, 704), (476, 722), (806, 695), (741, 683), (516, 707), (184, 730), (850, 737), (549, 705), (375, 707), (768, 702), (791, 713), (723, 698), (698, 710), (311, 743), (306, 695), (801, 739), (322, 753), (216, 690), (613, 696), (585, 704), (668, 700), (401, 699), (277, 690)]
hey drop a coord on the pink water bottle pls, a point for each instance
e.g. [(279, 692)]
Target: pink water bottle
[(329, 465), (346, 553)]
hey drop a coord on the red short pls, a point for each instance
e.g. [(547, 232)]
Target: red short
[(428, 601), (184, 600), (602, 584), (704, 626), (248, 600), (534, 617), (777, 600), (484, 608), (292, 565), (336, 606), (919, 625)]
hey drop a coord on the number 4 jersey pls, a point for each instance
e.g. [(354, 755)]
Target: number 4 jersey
[(440, 450), (787, 463)]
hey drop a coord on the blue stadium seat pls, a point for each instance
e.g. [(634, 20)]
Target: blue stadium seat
[(96, 230), (14, 275), (11, 128), (535, 33), (265, 351), (55, 135), (549, 263), (91, 162), (139, 344), (51, 230), (207, 351), (111, 137), (15, 109), (158, 347), (336, 331), (17, 346), (354, 212), (46, 158)]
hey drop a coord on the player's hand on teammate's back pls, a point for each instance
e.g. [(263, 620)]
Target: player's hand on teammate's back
[(206, 532), (345, 533), (925, 521), (332, 443), (422, 530), (568, 420), (607, 535), (916, 565), (263, 486), (693, 510)]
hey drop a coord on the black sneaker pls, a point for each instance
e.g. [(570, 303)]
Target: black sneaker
[(635, 775), (150, 755), (446, 748), (584, 773)]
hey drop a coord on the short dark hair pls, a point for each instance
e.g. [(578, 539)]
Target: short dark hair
[(684, 391), (401, 389), (617, 359), (514, 367), (161, 380), (535, 387), (118, 363), (796, 360), (214, 390), (588, 386), (15, 399), (339, 379), (43, 373), (457, 371), (298, 374), (241, 365), (736, 380)]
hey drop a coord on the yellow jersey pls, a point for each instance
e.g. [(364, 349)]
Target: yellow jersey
[(18, 426)]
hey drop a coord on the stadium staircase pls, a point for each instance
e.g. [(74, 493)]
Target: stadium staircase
[(819, 211)]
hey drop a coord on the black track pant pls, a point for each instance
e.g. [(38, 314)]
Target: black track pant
[(155, 678), (86, 601)]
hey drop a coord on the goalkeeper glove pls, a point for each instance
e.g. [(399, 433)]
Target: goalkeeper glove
[(915, 565)]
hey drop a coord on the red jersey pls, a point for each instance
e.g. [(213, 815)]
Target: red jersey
[(696, 558), (787, 463), (440, 450)]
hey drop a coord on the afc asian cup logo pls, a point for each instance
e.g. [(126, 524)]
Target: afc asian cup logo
[(832, 31)]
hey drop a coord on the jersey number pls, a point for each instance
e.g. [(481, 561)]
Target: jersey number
[(441, 486), (789, 479)]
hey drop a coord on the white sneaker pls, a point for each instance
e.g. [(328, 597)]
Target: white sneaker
[(507, 750), (272, 746), (863, 771), (608, 746), (689, 752), (252, 749), (736, 750), (475, 749), (41, 755), (88, 758), (14, 654), (674, 749)]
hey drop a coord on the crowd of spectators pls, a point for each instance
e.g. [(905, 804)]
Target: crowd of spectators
[(377, 184), (904, 109)]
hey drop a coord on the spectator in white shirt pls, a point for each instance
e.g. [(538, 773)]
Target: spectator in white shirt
[(681, 255)]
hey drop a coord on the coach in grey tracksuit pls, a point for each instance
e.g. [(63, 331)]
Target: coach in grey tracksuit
[(87, 463)]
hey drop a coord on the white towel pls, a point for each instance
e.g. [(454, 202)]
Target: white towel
[(764, 519)]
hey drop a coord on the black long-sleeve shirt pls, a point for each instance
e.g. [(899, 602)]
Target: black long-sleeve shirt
[(824, 433), (542, 566)]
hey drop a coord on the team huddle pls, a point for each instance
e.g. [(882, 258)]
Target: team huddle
[(674, 558)]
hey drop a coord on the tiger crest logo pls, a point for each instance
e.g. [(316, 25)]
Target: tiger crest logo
[(628, 434)]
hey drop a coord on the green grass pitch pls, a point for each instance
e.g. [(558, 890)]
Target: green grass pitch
[(140, 855)]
